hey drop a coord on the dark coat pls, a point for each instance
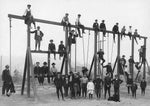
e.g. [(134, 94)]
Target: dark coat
[(102, 26), (36, 70), (115, 29), (134, 87), (143, 84), (45, 70), (51, 47), (58, 82), (100, 53), (98, 83), (116, 83), (129, 81), (6, 77), (61, 48), (108, 68), (107, 82), (96, 26), (36, 37)]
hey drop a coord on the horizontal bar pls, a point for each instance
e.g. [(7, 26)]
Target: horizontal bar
[(59, 24)]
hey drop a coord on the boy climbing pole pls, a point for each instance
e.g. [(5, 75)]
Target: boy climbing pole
[(38, 37), (122, 63), (65, 22), (115, 30), (103, 27), (28, 16), (109, 69), (78, 23), (52, 48), (131, 62), (61, 49), (101, 56)]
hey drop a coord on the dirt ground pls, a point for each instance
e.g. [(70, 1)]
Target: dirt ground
[(47, 97)]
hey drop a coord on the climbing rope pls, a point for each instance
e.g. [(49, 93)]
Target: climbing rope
[(108, 47), (88, 49), (112, 48), (83, 50)]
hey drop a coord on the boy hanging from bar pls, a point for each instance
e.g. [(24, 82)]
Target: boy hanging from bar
[(103, 27), (101, 56), (65, 22), (72, 38), (109, 69), (115, 31), (79, 25), (38, 37), (96, 26), (29, 17), (142, 54), (61, 49), (131, 62), (52, 48), (122, 63)]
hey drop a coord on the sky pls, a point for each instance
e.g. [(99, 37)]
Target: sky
[(126, 12)]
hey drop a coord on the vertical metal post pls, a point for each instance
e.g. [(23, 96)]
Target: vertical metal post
[(10, 42), (66, 45), (95, 54), (132, 54), (144, 65)]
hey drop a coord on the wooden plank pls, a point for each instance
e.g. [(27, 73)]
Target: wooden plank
[(24, 76), (32, 74), (59, 24)]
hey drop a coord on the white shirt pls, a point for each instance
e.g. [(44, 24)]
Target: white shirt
[(27, 10), (53, 69), (38, 32), (130, 30), (90, 86)]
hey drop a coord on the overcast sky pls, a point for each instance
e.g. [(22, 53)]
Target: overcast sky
[(126, 12)]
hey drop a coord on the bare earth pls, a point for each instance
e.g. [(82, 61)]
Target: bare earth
[(47, 97)]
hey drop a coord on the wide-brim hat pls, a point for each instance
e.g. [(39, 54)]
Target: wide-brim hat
[(53, 63)]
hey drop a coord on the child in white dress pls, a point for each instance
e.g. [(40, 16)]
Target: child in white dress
[(90, 89)]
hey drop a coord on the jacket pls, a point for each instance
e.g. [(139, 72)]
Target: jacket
[(37, 37)]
